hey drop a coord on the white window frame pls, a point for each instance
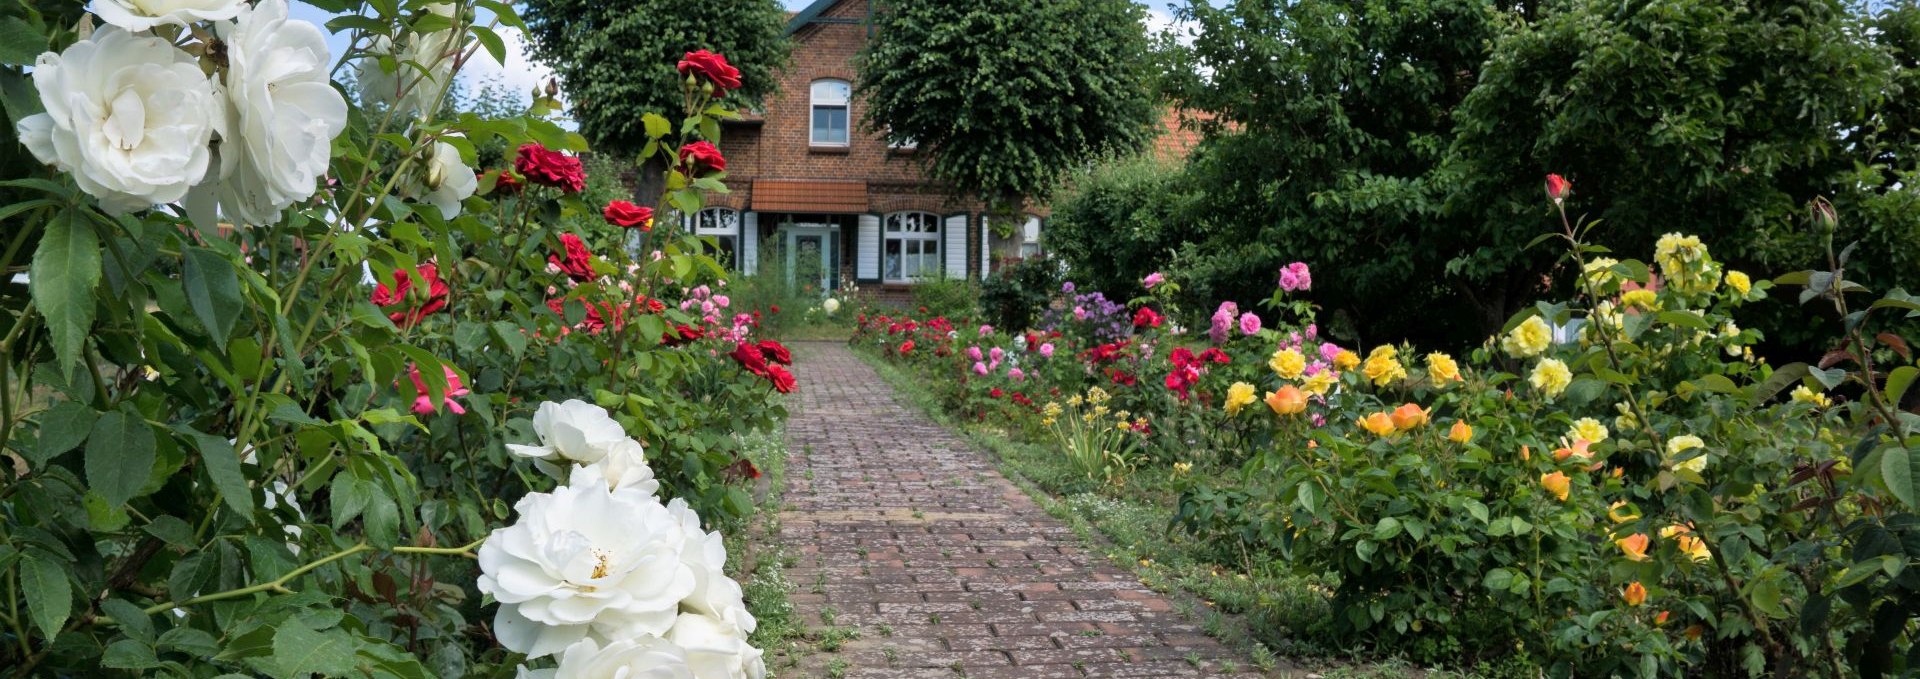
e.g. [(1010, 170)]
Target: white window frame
[(725, 229), (824, 95), (911, 230)]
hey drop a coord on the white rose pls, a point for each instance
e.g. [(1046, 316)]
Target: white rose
[(584, 562), (716, 650), (285, 113), (624, 466), (448, 180), (714, 593), (831, 306), (635, 658), (130, 116), (406, 87), (140, 15), (577, 431)]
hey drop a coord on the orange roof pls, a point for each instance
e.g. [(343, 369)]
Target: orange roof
[(809, 196), (1179, 133)]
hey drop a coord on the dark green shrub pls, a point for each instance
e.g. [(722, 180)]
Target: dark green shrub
[(1013, 299)]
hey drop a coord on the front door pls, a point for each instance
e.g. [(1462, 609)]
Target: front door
[(813, 257)]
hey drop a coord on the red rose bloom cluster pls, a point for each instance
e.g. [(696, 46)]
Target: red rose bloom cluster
[(702, 158), (712, 68), (1146, 317), (682, 334), (767, 359), (548, 167), (625, 214), (574, 260), (386, 297)]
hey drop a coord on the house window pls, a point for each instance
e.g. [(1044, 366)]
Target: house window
[(830, 122), (723, 226), (912, 246), (1030, 237)]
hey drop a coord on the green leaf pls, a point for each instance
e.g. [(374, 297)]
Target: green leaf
[(127, 654), (1498, 579), (1477, 510), (1765, 595), (496, 47), (1783, 377), (119, 456), (300, 651), (1828, 377), (133, 621), (49, 595), (1899, 469), (1685, 319), (65, 271), (213, 290), (19, 43), (657, 125), (1386, 529), (223, 469), (64, 426), (1899, 381)]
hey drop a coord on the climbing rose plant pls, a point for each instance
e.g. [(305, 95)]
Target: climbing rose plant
[(297, 386)]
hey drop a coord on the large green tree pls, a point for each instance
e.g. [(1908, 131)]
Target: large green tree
[(616, 60), (1006, 95)]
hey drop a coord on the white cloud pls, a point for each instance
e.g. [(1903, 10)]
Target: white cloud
[(519, 75), (1159, 20)]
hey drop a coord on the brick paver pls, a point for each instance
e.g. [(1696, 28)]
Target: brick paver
[(906, 533)]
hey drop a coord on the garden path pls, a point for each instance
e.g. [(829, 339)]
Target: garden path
[(906, 533)]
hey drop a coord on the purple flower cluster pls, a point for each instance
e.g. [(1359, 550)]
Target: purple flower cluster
[(1105, 319)]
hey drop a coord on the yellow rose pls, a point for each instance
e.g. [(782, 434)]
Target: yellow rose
[(1600, 277), (1621, 512), (1589, 430), (1646, 300), (1381, 424), (1528, 339), (1804, 395), (1288, 363), (1287, 401), (1346, 360), (1383, 367), (1739, 282), (1319, 383), (1558, 484), (1635, 594), (1551, 377), (1408, 416), (1442, 369), (1240, 395), (1681, 444), (1461, 432), (1181, 468)]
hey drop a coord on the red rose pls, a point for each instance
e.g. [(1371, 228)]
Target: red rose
[(996, 393), (506, 183), (1145, 318), (773, 308), (711, 67), (626, 214), (782, 380), (594, 321), (578, 262), (548, 167), (702, 157), (750, 358), (384, 296), (776, 352), (1557, 187), (1215, 356), (906, 347)]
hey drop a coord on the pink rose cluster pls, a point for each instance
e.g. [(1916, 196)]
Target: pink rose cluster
[(1296, 278), (1226, 317)]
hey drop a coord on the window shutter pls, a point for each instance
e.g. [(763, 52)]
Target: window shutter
[(955, 247), (749, 242), (986, 249), (866, 249)]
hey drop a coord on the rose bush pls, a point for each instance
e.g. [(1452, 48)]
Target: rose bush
[(1616, 485), (280, 367)]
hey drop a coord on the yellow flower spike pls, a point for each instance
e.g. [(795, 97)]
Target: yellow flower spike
[(1288, 363), (1461, 432), (1239, 396), (1442, 369), (1634, 546), (1381, 424), (1558, 484), (1635, 594)]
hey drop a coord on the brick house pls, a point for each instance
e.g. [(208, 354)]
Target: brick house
[(813, 192)]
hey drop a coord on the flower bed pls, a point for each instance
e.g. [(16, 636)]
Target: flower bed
[(1615, 485)]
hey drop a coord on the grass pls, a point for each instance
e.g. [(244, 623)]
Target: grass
[(1262, 610), (760, 565)]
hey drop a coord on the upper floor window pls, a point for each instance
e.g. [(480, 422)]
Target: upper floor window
[(830, 112), (912, 246)]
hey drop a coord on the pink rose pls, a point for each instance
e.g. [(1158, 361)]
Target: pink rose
[(980, 368), (1046, 350), (997, 354), (986, 330), (1250, 324), (974, 353), (1153, 279)]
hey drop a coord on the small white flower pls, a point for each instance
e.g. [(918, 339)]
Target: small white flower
[(635, 658), (140, 15), (448, 180), (585, 561), (130, 116), (285, 113), (715, 649)]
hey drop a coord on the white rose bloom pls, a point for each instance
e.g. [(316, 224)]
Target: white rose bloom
[(581, 432), (831, 306), (715, 649), (714, 593), (407, 87), (140, 15), (448, 180), (285, 113), (584, 561), (635, 658), (129, 116)]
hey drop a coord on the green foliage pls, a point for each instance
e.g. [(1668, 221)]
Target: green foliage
[(1119, 220), (616, 60), (1006, 94), (1014, 298), (947, 297)]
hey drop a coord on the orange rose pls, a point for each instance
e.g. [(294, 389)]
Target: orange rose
[(1381, 424), (1634, 546), (1558, 484), (1461, 432), (1635, 594), (1526, 453), (1408, 416), (1660, 619), (1289, 400), (1578, 449)]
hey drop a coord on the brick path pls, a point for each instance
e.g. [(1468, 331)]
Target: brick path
[(906, 532)]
